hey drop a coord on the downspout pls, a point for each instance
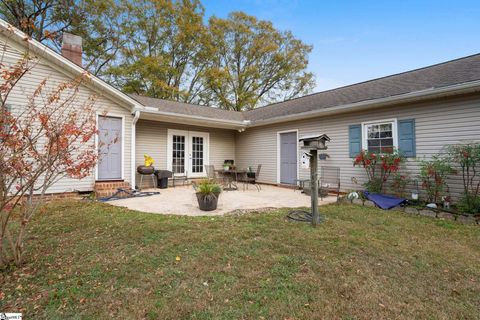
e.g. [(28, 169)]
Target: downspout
[(136, 115)]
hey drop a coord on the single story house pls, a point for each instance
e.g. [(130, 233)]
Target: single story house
[(418, 111)]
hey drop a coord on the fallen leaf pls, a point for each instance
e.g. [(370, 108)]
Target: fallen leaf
[(177, 258)]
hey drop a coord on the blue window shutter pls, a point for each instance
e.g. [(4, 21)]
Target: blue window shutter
[(354, 140), (406, 137)]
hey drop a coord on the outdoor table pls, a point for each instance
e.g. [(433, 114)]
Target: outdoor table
[(300, 184), (230, 178)]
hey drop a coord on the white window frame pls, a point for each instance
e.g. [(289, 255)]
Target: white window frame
[(279, 153), (188, 134), (377, 122), (112, 115)]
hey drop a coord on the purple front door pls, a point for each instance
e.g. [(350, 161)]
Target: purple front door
[(109, 148), (288, 157)]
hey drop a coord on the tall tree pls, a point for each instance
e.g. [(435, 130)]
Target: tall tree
[(163, 49), (254, 64), (96, 21), (101, 29), (41, 18), (164, 57)]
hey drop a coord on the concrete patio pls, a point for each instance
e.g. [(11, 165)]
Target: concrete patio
[(182, 201)]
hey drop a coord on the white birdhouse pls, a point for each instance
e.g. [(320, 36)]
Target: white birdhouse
[(305, 161)]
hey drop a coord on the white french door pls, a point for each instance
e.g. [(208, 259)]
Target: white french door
[(187, 152)]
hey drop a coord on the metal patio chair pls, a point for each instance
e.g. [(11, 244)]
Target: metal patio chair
[(210, 171), (251, 178), (329, 180)]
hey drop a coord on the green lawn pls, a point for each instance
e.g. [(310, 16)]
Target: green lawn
[(90, 260)]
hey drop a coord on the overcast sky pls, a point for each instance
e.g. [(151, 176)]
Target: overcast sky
[(359, 40)]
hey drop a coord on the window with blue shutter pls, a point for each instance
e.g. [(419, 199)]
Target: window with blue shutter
[(406, 137), (354, 139)]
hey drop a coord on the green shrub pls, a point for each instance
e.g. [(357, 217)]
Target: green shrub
[(467, 158), (433, 174), (399, 184), (206, 188), (469, 204), (374, 185), (378, 167)]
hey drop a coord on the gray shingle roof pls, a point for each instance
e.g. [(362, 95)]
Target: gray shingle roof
[(444, 74), (436, 76), (188, 109)]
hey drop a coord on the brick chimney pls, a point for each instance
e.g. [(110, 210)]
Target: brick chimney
[(72, 48)]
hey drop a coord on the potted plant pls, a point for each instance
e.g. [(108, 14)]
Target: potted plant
[(207, 195)]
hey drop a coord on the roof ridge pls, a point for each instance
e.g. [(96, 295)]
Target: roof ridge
[(133, 95), (366, 81)]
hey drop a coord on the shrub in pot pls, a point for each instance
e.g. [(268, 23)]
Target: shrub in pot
[(207, 195)]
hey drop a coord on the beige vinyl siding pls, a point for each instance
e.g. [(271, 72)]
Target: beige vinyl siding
[(437, 123), (104, 104), (151, 139)]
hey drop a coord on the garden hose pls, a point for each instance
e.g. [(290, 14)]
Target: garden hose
[(302, 216)]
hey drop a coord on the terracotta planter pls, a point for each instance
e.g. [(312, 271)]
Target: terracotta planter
[(207, 203)]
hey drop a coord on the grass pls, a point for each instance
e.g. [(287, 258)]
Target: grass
[(90, 260)]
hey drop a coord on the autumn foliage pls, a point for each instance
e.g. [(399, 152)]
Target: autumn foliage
[(46, 137)]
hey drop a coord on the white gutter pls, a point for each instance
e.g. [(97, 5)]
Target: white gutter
[(136, 115), (469, 87), (172, 115), (463, 88)]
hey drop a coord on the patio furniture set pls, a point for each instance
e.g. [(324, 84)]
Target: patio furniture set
[(230, 176)]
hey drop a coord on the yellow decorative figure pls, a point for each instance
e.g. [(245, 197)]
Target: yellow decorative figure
[(148, 160)]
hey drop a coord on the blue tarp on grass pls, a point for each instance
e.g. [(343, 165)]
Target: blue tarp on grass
[(383, 201)]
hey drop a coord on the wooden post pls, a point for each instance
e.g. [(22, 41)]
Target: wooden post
[(314, 186)]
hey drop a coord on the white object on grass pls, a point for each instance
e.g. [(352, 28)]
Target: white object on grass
[(353, 196)]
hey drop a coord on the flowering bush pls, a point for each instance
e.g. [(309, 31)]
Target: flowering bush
[(44, 139), (378, 168), (433, 174), (399, 184), (467, 158)]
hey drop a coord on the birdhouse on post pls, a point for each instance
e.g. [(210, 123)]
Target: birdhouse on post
[(313, 144)]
